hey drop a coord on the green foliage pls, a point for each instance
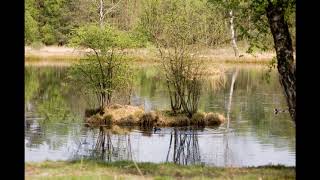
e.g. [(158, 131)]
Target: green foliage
[(51, 22), (31, 28), (178, 29), (45, 91), (55, 107), (36, 45), (31, 7), (255, 27), (139, 37), (31, 85), (128, 170), (47, 32), (97, 38), (170, 22), (103, 71), (48, 18), (271, 66), (194, 22)]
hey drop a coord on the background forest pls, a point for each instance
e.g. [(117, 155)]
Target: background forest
[(51, 22)]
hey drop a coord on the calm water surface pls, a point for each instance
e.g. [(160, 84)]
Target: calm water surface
[(54, 128)]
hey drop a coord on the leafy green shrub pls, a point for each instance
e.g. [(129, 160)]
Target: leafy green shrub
[(31, 29), (103, 72), (48, 37)]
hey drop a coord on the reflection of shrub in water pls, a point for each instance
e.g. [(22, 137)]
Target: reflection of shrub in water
[(185, 147), (146, 131), (105, 147)]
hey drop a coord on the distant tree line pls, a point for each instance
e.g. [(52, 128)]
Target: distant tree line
[(51, 22)]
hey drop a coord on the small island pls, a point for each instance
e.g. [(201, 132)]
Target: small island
[(127, 115)]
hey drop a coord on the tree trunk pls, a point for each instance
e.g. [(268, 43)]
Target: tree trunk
[(233, 35), (283, 45), (101, 13)]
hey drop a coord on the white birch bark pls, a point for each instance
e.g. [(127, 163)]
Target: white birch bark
[(233, 34), (101, 14), (103, 11)]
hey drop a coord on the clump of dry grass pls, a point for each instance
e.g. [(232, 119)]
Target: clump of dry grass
[(149, 119), (202, 119), (136, 116), (214, 118), (180, 120), (125, 115), (198, 119), (116, 114)]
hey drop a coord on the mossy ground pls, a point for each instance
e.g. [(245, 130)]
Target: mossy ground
[(128, 170)]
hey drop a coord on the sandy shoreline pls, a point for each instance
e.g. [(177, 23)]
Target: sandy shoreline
[(64, 56)]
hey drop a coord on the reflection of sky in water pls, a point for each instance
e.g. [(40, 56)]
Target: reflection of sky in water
[(258, 136)]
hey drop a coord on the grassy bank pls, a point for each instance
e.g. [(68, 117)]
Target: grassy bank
[(65, 56), (128, 170)]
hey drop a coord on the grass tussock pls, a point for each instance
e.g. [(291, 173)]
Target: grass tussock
[(128, 170), (214, 119), (125, 115)]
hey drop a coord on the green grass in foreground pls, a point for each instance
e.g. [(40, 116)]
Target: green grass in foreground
[(128, 170)]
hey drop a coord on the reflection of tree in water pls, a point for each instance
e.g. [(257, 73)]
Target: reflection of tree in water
[(33, 134), (185, 147), (111, 149)]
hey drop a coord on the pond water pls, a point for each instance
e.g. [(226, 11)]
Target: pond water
[(54, 128)]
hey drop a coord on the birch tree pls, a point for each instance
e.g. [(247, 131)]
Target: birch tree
[(272, 17), (233, 34), (284, 50), (230, 7)]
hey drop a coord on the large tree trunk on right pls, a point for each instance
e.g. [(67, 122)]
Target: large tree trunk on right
[(284, 50)]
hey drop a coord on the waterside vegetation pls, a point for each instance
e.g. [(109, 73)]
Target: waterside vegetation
[(132, 170), (126, 115)]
